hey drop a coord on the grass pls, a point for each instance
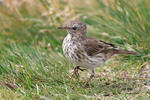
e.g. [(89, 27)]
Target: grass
[(32, 65)]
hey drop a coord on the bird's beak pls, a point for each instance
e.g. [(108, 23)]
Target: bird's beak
[(65, 27)]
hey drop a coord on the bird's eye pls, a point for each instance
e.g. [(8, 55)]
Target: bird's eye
[(74, 28)]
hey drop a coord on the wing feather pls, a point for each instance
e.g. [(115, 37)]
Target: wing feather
[(94, 46)]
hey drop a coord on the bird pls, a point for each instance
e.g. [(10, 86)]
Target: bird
[(87, 52)]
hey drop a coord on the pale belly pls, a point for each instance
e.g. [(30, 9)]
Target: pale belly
[(75, 54)]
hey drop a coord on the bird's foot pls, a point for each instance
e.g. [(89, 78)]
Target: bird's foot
[(75, 73), (81, 69), (87, 82)]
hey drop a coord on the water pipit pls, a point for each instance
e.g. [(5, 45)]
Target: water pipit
[(85, 51)]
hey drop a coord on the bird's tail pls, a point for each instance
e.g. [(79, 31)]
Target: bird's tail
[(125, 52)]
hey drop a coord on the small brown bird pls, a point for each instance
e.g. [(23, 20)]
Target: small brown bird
[(87, 52)]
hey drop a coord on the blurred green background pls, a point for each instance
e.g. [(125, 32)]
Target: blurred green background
[(32, 65)]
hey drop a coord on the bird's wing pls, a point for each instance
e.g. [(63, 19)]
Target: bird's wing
[(94, 46)]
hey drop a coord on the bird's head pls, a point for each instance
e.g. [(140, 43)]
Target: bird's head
[(75, 27)]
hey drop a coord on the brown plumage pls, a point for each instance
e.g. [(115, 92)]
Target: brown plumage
[(94, 46), (85, 51)]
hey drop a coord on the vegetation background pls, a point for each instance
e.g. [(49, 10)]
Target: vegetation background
[(32, 65)]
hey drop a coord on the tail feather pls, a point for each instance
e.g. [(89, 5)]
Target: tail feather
[(125, 52)]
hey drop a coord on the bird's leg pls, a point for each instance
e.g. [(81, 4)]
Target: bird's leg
[(76, 73), (92, 75), (81, 69)]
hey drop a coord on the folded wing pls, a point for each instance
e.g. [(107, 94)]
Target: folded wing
[(94, 46)]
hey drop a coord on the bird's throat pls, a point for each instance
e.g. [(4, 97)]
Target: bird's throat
[(78, 36)]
